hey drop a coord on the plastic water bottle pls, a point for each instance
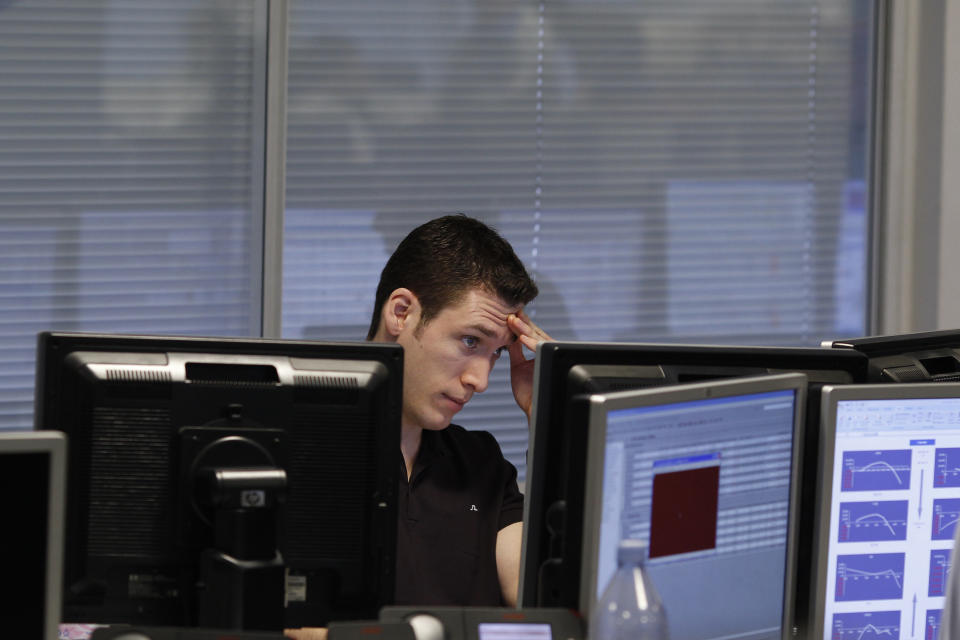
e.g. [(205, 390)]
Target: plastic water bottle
[(630, 607)]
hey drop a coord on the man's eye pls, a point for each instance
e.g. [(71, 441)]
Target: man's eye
[(471, 342), (498, 352)]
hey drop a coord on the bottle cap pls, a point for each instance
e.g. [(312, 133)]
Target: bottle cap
[(631, 551)]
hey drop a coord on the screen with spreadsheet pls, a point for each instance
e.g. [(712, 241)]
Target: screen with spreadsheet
[(708, 484), (891, 502)]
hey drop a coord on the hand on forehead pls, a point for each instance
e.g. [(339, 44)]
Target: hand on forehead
[(526, 330), (495, 310), (491, 308), (491, 315)]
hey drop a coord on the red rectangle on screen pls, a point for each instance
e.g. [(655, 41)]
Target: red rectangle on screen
[(684, 511)]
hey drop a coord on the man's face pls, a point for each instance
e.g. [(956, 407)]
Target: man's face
[(451, 357)]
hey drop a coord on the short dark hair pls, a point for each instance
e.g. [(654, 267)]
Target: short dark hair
[(443, 259)]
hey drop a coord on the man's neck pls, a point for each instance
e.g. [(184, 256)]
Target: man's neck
[(410, 438)]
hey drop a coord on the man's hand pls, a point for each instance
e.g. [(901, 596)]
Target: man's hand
[(521, 370)]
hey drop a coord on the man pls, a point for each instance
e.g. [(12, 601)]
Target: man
[(452, 294)]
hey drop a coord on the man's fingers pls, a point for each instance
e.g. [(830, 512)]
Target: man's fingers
[(516, 351), (522, 331), (529, 327), (529, 341)]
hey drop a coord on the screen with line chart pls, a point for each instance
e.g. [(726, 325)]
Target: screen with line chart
[(876, 470), (947, 467), (932, 630), (866, 626), (890, 491), (939, 572), (869, 576), (946, 513), (873, 521)]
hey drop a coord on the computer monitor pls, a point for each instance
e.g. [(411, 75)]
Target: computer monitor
[(932, 356), (890, 503), (32, 474), (706, 475), (566, 373), (187, 452)]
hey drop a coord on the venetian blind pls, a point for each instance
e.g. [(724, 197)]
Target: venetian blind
[(669, 171), (128, 188)]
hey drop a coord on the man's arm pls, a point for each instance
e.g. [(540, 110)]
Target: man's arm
[(509, 540), (521, 370)]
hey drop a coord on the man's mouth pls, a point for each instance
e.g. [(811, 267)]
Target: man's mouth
[(457, 401)]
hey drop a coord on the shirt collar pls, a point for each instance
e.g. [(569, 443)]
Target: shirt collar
[(432, 445)]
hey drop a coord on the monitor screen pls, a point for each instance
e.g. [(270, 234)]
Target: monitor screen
[(890, 503), (932, 356), (514, 631), (187, 452), (32, 474), (706, 476), (567, 372)]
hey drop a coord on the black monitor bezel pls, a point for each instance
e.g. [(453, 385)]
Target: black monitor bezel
[(556, 455), (831, 398), (908, 357), (55, 347), (739, 387)]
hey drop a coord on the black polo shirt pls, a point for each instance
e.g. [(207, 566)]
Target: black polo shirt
[(461, 493)]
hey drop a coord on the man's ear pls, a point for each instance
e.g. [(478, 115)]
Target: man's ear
[(402, 309)]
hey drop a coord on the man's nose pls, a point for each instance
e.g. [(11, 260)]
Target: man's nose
[(477, 375)]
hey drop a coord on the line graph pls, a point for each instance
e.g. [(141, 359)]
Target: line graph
[(939, 572), (875, 576), (873, 521), (876, 470), (946, 514), (933, 624), (947, 468), (866, 626)]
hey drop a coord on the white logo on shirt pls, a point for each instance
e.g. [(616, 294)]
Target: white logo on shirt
[(473, 507)]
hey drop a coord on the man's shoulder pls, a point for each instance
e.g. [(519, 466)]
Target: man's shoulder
[(468, 439), (475, 454), (458, 433)]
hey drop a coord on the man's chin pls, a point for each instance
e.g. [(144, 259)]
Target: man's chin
[(440, 425), (440, 421)]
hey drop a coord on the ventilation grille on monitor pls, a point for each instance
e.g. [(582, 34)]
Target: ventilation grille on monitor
[(326, 382), (326, 389), (331, 443), (906, 373), (129, 496), (138, 375), (233, 384)]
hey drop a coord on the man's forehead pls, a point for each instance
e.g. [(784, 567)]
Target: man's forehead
[(485, 310)]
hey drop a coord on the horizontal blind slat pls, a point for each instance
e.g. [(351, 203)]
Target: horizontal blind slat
[(667, 170), (126, 159)]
